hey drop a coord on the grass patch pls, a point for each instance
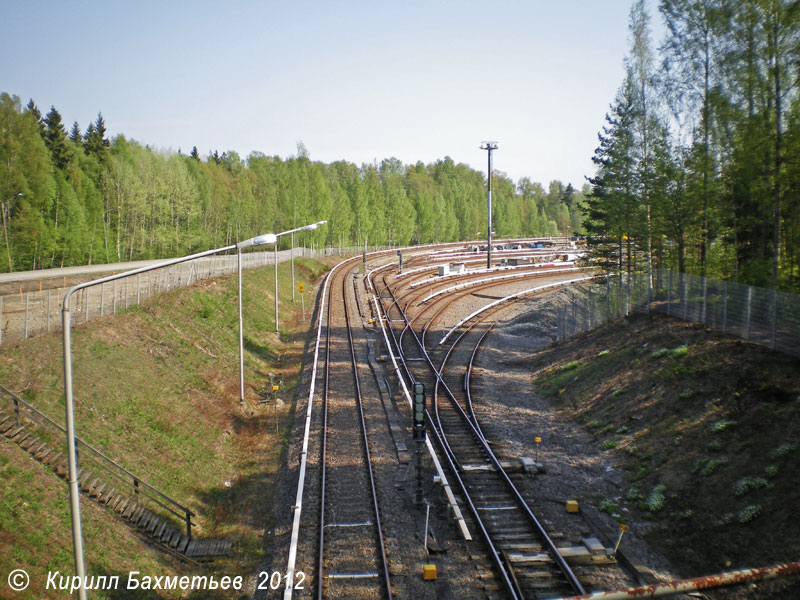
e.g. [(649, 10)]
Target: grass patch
[(156, 389)]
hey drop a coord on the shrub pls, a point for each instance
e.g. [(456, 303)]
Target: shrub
[(679, 351), (748, 513), (725, 519), (748, 484), (607, 506), (570, 366), (610, 444), (655, 502), (712, 466), (782, 451), (722, 425)]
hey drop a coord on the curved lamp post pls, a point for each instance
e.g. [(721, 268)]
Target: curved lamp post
[(310, 227), (72, 458), (267, 238)]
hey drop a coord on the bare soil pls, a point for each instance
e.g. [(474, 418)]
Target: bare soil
[(689, 437)]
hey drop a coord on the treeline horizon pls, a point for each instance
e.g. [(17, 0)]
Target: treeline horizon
[(698, 165), (73, 198)]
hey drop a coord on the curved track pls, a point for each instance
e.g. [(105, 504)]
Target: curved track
[(526, 560)]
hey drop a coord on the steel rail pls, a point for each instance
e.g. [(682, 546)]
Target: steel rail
[(556, 555), (402, 380), (378, 526), (493, 551), (367, 457)]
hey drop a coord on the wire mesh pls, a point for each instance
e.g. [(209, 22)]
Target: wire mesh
[(766, 317)]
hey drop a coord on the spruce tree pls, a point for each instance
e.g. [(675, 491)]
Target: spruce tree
[(56, 138), (75, 133)]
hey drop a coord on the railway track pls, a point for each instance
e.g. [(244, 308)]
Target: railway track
[(525, 558), (352, 559)]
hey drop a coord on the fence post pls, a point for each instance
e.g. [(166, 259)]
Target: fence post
[(608, 300), (49, 293), (86, 298), (189, 523), (724, 307), (684, 296), (774, 331), (628, 295), (703, 306), (747, 313), (590, 300), (139, 289), (1, 319), (136, 489), (27, 307), (669, 292), (126, 292), (114, 297), (574, 309), (102, 298)]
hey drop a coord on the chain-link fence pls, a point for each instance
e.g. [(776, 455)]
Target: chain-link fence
[(27, 314), (767, 317)]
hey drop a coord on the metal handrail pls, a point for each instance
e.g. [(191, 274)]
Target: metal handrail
[(98, 458)]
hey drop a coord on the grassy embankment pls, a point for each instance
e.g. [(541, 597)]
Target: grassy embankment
[(157, 390), (706, 427)]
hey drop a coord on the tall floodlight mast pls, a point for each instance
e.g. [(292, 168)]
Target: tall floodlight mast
[(489, 146)]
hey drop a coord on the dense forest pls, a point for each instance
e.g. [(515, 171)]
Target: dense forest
[(77, 197), (698, 165)]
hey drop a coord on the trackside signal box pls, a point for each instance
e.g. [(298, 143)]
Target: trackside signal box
[(419, 438), (419, 410)]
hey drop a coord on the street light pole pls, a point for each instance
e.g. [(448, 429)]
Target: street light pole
[(310, 227), (292, 259), (69, 403), (267, 238), (489, 146)]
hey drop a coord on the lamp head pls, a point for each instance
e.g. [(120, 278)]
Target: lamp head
[(267, 238)]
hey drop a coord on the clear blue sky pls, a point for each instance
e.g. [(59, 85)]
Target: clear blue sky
[(357, 81)]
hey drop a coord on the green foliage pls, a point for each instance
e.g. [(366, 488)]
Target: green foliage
[(745, 485), (655, 501), (722, 425), (698, 166), (712, 465), (782, 451), (748, 513), (608, 506), (88, 199)]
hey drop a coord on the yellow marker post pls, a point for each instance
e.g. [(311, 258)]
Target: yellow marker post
[(572, 506), (622, 529), (538, 441), (276, 388), (429, 572), (301, 288)]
